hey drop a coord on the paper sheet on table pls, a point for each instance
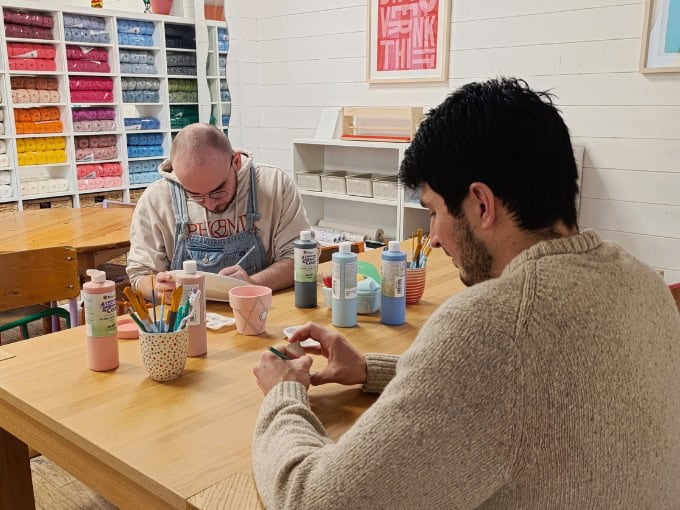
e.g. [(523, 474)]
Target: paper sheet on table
[(217, 286)]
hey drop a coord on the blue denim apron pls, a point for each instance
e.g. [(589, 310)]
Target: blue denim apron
[(212, 254)]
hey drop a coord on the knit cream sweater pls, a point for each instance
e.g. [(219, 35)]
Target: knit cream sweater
[(554, 386)]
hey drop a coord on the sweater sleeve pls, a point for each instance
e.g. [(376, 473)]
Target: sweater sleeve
[(381, 369), (439, 436)]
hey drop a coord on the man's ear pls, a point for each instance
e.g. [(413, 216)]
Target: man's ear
[(483, 204)]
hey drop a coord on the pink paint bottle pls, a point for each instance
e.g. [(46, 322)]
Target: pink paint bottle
[(191, 279), (99, 295)]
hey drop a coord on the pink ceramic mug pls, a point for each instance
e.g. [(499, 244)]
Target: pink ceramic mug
[(250, 304)]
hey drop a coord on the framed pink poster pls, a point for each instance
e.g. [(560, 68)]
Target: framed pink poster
[(407, 40)]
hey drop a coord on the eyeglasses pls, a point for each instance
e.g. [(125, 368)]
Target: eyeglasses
[(218, 194), (214, 195)]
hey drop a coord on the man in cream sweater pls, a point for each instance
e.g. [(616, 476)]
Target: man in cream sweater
[(214, 205), (552, 382)]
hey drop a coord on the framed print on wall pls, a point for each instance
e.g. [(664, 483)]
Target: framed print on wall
[(661, 37), (407, 40)]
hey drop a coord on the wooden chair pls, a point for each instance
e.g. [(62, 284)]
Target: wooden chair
[(31, 277), (326, 252)]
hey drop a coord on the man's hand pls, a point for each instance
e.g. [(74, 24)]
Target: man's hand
[(236, 272), (346, 365), (164, 284), (272, 370)]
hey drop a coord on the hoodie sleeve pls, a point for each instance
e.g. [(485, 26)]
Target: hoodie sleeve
[(293, 219), (282, 215), (152, 233)]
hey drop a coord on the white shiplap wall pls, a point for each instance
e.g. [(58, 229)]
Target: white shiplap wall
[(290, 59)]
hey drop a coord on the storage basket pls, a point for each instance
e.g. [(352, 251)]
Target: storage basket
[(334, 182), (359, 185), (97, 199), (135, 194), (51, 203), (310, 180), (385, 187), (8, 207)]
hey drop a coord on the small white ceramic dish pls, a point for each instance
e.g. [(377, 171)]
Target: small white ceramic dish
[(305, 343)]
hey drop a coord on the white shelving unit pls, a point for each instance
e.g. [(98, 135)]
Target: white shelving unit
[(397, 218), (207, 54), (216, 74), (400, 218)]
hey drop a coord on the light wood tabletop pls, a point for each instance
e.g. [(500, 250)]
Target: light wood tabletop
[(182, 444), (97, 234)]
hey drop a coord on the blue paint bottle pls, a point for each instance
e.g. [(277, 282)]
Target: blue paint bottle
[(393, 288), (344, 310)]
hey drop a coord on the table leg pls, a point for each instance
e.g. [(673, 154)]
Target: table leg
[(16, 485)]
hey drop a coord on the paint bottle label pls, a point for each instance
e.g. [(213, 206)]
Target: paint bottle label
[(349, 289), (393, 278), (187, 290), (305, 265), (100, 314)]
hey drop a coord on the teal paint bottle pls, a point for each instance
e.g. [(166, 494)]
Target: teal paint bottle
[(344, 310)]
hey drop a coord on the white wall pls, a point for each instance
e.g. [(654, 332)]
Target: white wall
[(290, 59)]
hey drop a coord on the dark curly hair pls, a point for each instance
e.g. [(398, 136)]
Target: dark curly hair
[(507, 136)]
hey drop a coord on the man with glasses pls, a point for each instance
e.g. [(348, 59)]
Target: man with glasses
[(215, 206)]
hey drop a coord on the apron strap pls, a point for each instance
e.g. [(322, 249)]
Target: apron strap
[(179, 205), (252, 211)]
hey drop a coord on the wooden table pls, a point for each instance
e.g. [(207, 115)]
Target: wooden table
[(182, 444), (97, 234)]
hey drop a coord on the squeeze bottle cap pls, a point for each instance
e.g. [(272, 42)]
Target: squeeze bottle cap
[(189, 266), (345, 247), (96, 275), (305, 235), (394, 246)]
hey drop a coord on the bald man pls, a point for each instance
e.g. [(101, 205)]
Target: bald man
[(212, 205)]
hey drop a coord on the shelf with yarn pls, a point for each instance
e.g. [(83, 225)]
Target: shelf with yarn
[(129, 46), (216, 75)]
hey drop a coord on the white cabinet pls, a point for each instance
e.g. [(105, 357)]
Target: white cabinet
[(153, 69), (398, 218)]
